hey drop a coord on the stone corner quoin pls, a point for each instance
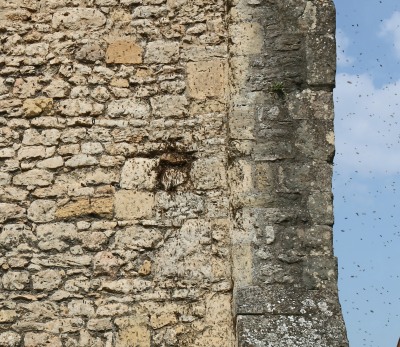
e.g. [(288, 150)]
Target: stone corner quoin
[(165, 174)]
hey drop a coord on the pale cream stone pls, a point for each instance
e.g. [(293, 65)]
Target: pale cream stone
[(139, 173), (81, 160), (47, 137), (78, 107), (78, 18), (10, 211), (105, 263), (7, 153), (8, 316), (5, 179), (247, 38), (9, 339), (130, 108), (93, 241), (51, 163), (56, 236), (81, 308), (169, 105), (42, 211), (127, 285), (99, 324), (15, 234), (35, 177), (16, 280), (32, 152), (207, 79), (47, 280), (136, 237), (209, 173), (12, 194), (33, 339), (161, 52), (133, 205), (58, 88), (124, 51)]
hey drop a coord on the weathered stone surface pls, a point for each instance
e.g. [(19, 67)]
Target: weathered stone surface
[(9, 339), (133, 205), (42, 211), (36, 107), (74, 18), (209, 173), (41, 339), (97, 206), (35, 177), (132, 329), (47, 280), (16, 280), (124, 52), (162, 52), (207, 79), (169, 105), (10, 212), (139, 173), (129, 108), (56, 236)]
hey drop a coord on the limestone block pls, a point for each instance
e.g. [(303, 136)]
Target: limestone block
[(133, 205), (218, 323), (57, 88), (41, 339), (132, 329), (81, 160), (129, 108), (185, 255), (38, 106), (7, 153), (82, 207), (10, 211), (124, 51), (209, 173), (136, 238), (93, 241), (78, 107), (90, 52), (42, 211), (247, 38), (16, 280), (51, 163), (9, 193), (78, 18), (9, 339), (47, 137), (81, 308), (99, 324), (32, 152), (169, 105), (8, 316), (56, 236), (242, 123), (207, 79), (139, 173), (15, 234), (179, 205), (126, 285), (26, 87), (161, 52), (5, 179), (34, 177), (105, 263), (47, 280)]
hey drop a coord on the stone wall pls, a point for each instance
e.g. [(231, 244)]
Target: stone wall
[(165, 173)]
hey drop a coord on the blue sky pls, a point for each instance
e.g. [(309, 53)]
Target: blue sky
[(367, 169)]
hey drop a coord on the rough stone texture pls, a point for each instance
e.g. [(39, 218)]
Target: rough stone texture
[(165, 174)]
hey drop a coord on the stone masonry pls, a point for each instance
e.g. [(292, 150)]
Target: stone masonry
[(165, 174)]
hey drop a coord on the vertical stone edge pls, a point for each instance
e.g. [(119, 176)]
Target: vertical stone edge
[(281, 146)]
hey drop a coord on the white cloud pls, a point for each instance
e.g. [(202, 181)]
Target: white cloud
[(342, 43), (391, 28), (367, 125)]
